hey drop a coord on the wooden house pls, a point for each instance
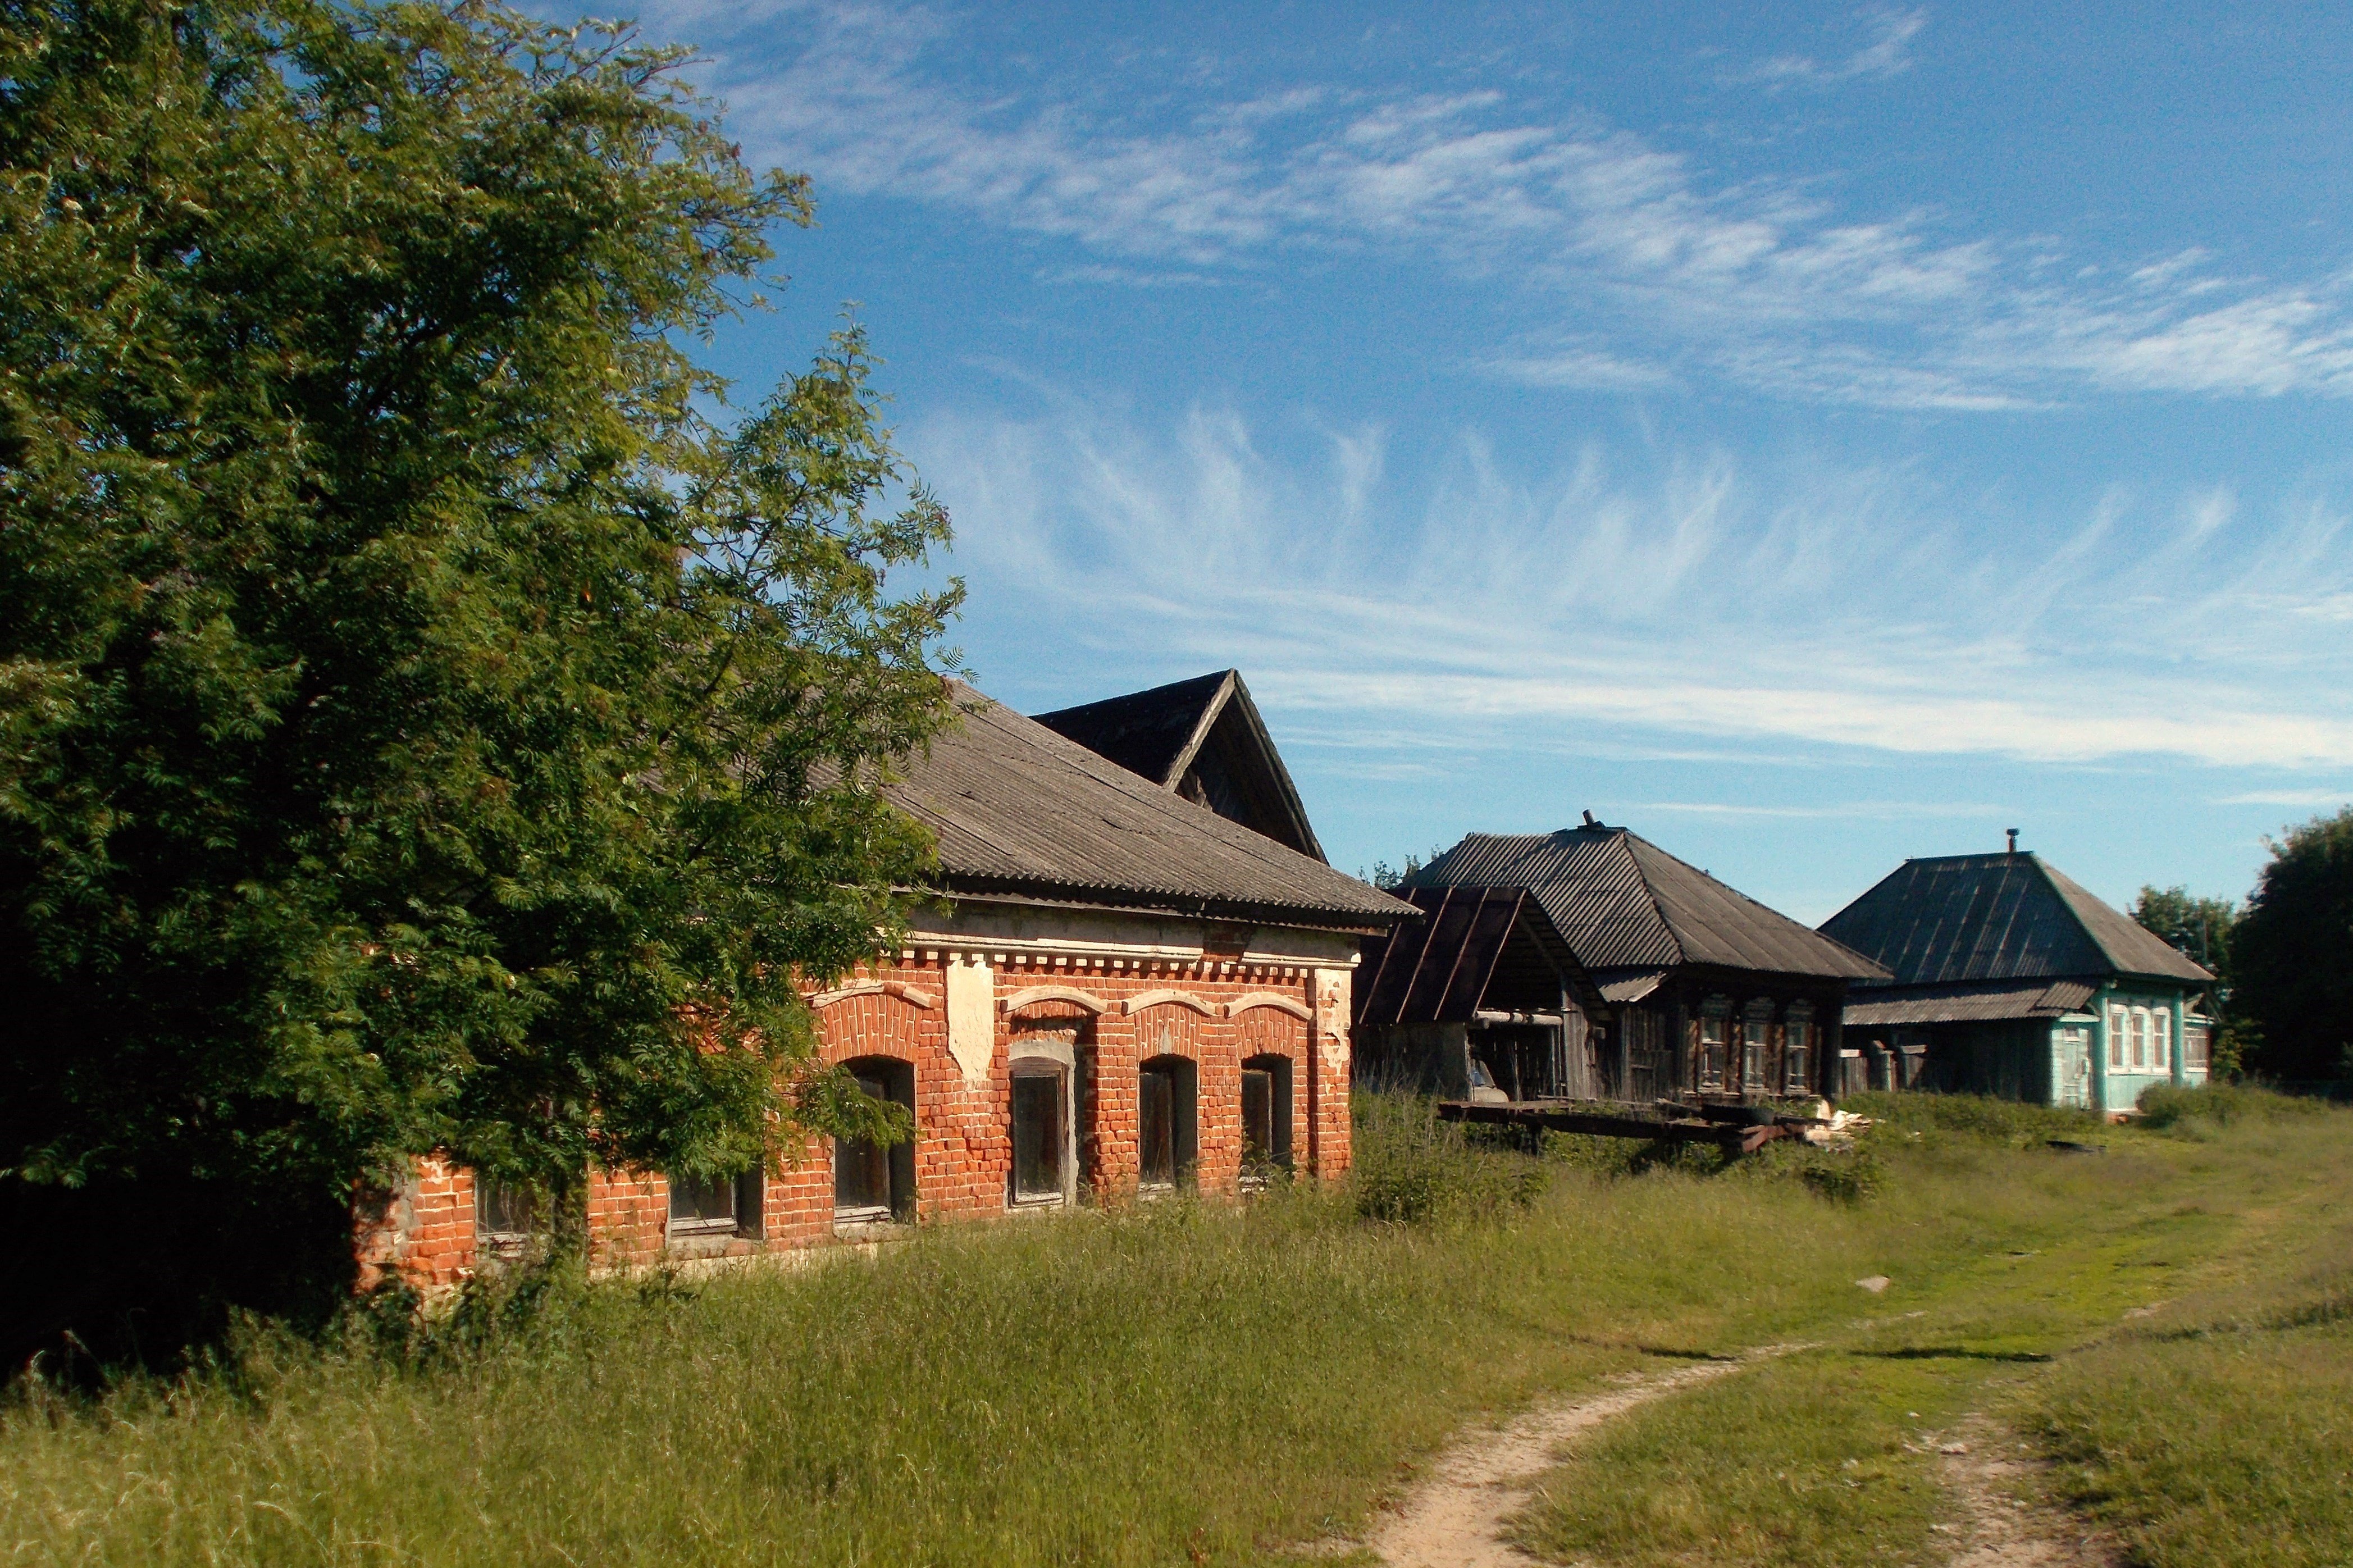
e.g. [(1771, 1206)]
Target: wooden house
[(1118, 992), (2008, 978), (1704, 993), (1480, 997)]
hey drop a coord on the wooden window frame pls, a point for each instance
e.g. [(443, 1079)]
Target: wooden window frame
[(1063, 1076), (897, 1078)]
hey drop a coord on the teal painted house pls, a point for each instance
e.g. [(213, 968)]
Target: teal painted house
[(2011, 980)]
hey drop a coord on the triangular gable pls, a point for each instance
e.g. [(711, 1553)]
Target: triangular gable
[(1202, 738)]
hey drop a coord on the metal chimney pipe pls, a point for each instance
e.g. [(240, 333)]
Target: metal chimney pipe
[(2013, 839)]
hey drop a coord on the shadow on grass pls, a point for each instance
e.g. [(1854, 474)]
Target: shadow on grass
[(1952, 1352)]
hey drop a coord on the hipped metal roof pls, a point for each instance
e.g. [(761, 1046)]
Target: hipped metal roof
[(1998, 917), (1160, 733), (1968, 1003), (1439, 970), (1018, 809), (1623, 903)]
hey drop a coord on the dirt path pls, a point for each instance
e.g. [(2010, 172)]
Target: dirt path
[(1982, 1466), (1454, 1518)]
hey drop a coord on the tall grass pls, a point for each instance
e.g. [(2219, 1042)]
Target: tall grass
[(1177, 1382)]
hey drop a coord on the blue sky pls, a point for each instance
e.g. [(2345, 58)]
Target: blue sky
[(1810, 435)]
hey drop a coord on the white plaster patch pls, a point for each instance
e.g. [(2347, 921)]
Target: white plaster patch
[(972, 1015)]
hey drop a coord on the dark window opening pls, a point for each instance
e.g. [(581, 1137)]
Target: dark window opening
[(715, 1206), (508, 1209), (1266, 1118), (871, 1182), (1040, 1133), (1166, 1121)]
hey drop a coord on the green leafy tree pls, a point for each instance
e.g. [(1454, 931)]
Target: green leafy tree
[(424, 723), (2293, 953), (2202, 930), (2198, 928)]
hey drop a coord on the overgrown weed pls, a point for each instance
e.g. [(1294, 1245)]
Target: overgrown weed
[(2003, 1122), (2165, 1106)]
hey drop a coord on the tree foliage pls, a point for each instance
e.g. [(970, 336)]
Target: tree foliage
[(424, 723), (2198, 928), (2293, 953)]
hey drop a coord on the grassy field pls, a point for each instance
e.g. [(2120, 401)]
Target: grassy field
[(1192, 1383)]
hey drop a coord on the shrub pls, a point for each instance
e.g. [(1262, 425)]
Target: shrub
[(2166, 1106), (1409, 1167), (1974, 1116)]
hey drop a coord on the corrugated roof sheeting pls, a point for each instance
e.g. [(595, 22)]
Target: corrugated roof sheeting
[(1623, 902), (1016, 807), (1997, 917), (1966, 1004), (1621, 988)]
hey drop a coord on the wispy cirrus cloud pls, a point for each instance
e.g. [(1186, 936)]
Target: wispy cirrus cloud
[(1627, 266), (1886, 54), (1689, 598)]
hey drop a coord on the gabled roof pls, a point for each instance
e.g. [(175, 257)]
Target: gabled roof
[(1018, 809), (1998, 917), (1622, 902), (1204, 740), (1472, 948)]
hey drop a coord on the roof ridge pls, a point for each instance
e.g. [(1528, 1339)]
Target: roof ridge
[(1210, 712), (1628, 837)]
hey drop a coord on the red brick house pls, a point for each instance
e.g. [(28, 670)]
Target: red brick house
[(1122, 991)]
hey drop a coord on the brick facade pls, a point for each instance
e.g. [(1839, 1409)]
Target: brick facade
[(959, 1012)]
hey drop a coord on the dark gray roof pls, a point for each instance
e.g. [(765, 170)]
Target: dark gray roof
[(1204, 739), (1472, 948), (1998, 917), (1622, 902), (1018, 809), (1974, 1003), (1151, 732)]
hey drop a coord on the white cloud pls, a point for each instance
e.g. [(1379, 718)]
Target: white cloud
[(1654, 260), (1886, 54), (2318, 799), (1849, 811), (1687, 598)]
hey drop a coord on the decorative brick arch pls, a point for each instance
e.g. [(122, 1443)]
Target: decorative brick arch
[(1170, 1030), (875, 1023)]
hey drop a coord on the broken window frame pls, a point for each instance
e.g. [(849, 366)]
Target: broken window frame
[(693, 1218), (1261, 1159), (1175, 1162), (508, 1213), (1022, 1078), (882, 1077)]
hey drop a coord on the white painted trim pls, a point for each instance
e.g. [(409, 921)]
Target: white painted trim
[(1036, 993), (1276, 1000), (1137, 1003), (899, 988)]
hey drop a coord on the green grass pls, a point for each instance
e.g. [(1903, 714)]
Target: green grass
[(1184, 1384)]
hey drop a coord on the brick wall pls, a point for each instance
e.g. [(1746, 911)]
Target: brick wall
[(1110, 1013)]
